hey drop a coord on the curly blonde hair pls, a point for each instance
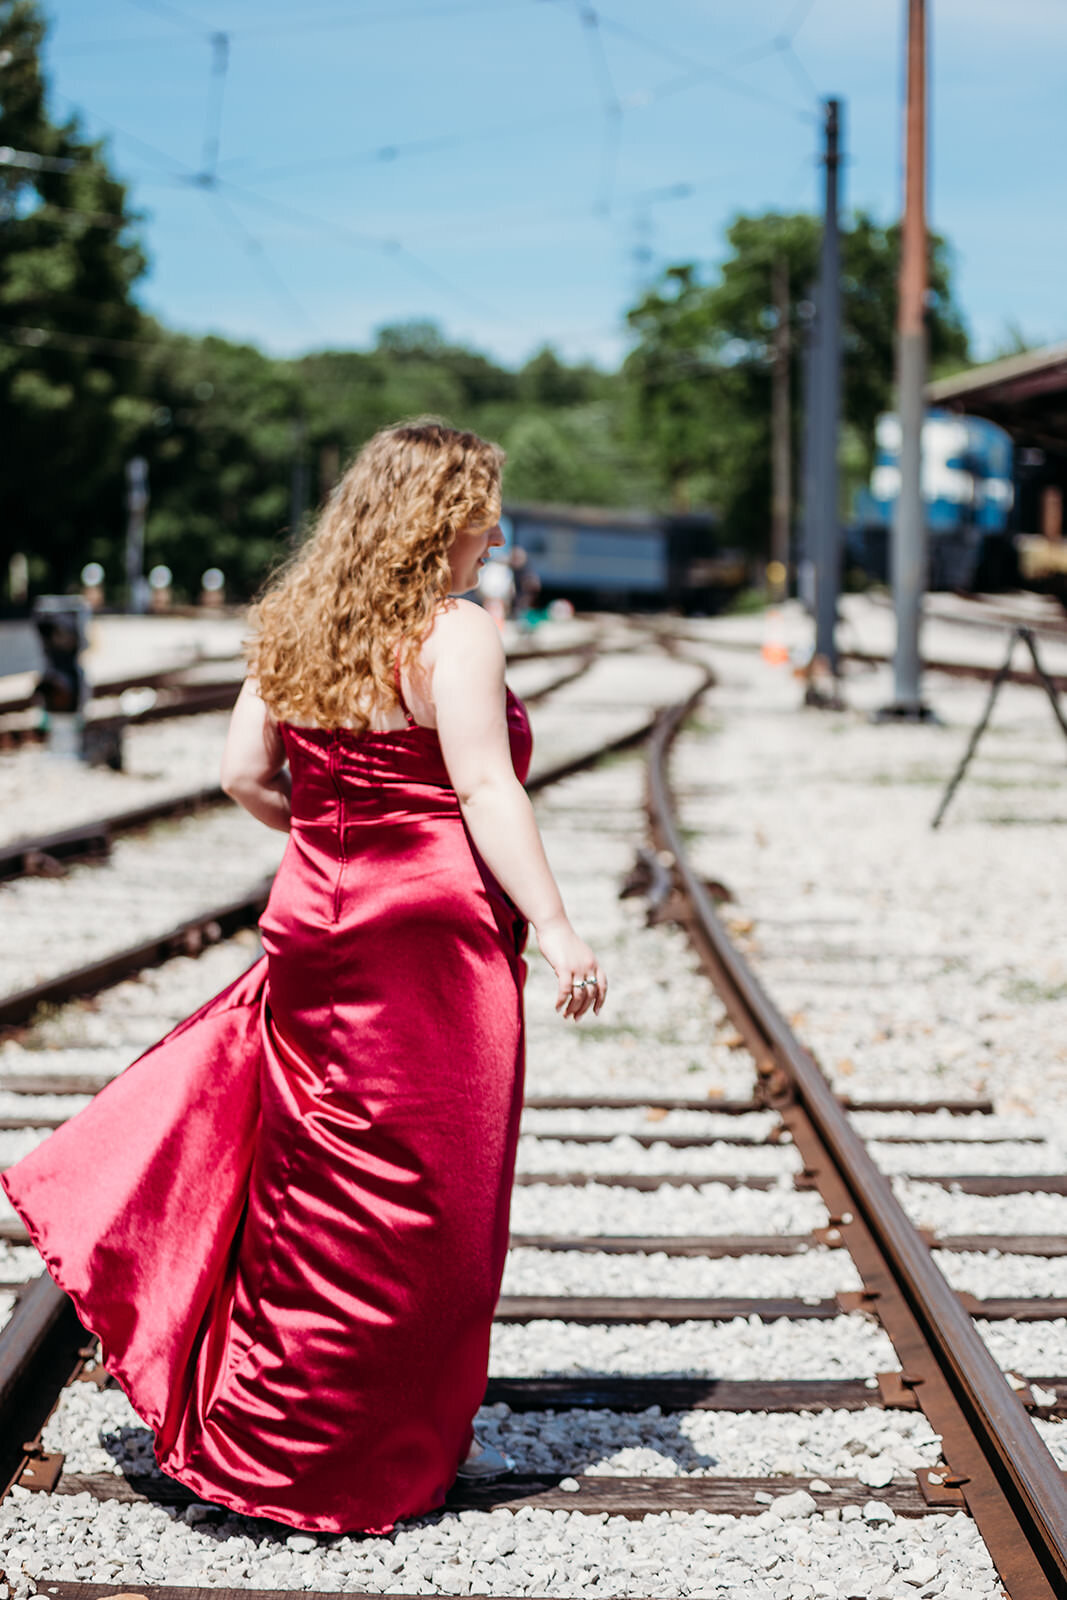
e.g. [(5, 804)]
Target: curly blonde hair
[(372, 576)]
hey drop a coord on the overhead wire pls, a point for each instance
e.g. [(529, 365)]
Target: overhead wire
[(183, 176), (32, 161), (797, 18), (792, 61), (594, 23), (268, 271), (384, 154), (81, 343), (304, 24), (346, 19), (220, 61), (171, 13), (610, 104), (363, 241), (699, 71)]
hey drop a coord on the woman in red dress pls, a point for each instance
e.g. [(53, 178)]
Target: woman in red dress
[(287, 1222)]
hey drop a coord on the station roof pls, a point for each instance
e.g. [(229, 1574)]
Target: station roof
[(1025, 394)]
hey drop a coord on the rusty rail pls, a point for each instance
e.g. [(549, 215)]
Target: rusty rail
[(1000, 1469)]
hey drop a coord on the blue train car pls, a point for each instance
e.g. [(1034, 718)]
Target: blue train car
[(968, 493), (625, 560)]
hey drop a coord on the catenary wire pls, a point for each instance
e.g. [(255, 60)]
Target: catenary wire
[(793, 63), (306, 24), (386, 153), (610, 104), (700, 71), (183, 176), (170, 13), (592, 21), (268, 271)]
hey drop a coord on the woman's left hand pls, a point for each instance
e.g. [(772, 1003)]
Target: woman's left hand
[(582, 981)]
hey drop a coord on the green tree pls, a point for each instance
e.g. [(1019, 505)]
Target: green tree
[(575, 456), (221, 427), (69, 259), (700, 374), (545, 380)]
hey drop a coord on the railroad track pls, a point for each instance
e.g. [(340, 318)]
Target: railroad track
[(998, 1466), (160, 697), (982, 672), (49, 853), (180, 691), (108, 688), (188, 935), (994, 613), (792, 1121)]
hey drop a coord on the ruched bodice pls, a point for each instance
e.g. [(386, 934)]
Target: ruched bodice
[(402, 769), (293, 1253)]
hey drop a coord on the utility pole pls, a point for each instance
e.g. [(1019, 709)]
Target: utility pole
[(781, 462), (908, 549), (220, 60), (809, 314), (298, 481), (136, 506), (826, 388)]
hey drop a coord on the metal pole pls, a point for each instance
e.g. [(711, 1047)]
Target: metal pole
[(781, 463), (909, 555), (828, 407), (298, 481), (136, 506), (809, 520)]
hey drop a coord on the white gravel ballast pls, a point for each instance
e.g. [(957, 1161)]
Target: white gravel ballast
[(790, 1551), (664, 1033)]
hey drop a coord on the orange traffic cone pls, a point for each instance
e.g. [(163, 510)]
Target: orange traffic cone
[(774, 650)]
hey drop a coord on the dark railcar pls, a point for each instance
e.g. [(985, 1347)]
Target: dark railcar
[(626, 560)]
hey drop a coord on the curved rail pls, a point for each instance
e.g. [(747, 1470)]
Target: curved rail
[(44, 854), (1000, 1467)]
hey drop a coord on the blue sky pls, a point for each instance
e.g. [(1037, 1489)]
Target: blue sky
[(514, 169)]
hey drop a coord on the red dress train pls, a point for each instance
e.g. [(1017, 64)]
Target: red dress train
[(287, 1221)]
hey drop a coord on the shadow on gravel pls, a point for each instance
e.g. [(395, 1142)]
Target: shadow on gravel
[(568, 1444)]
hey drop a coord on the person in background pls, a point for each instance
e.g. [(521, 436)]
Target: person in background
[(496, 589)]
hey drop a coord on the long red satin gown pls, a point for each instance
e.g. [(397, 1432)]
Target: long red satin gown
[(287, 1222)]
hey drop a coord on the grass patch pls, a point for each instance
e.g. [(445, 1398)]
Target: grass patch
[(1029, 991), (746, 603)]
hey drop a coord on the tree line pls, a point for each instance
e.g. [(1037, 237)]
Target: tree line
[(242, 446)]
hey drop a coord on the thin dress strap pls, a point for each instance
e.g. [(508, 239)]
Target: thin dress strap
[(399, 691)]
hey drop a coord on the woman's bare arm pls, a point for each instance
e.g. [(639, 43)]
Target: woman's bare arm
[(464, 659), (253, 763)]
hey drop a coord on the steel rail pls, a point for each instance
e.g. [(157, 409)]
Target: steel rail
[(628, 1497), (978, 671), (1008, 1478), (106, 688), (998, 615), (26, 855), (44, 1306), (93, 838), (186, 938), (169, 678)]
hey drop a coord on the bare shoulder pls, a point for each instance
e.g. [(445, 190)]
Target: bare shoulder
[(463, 630)]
